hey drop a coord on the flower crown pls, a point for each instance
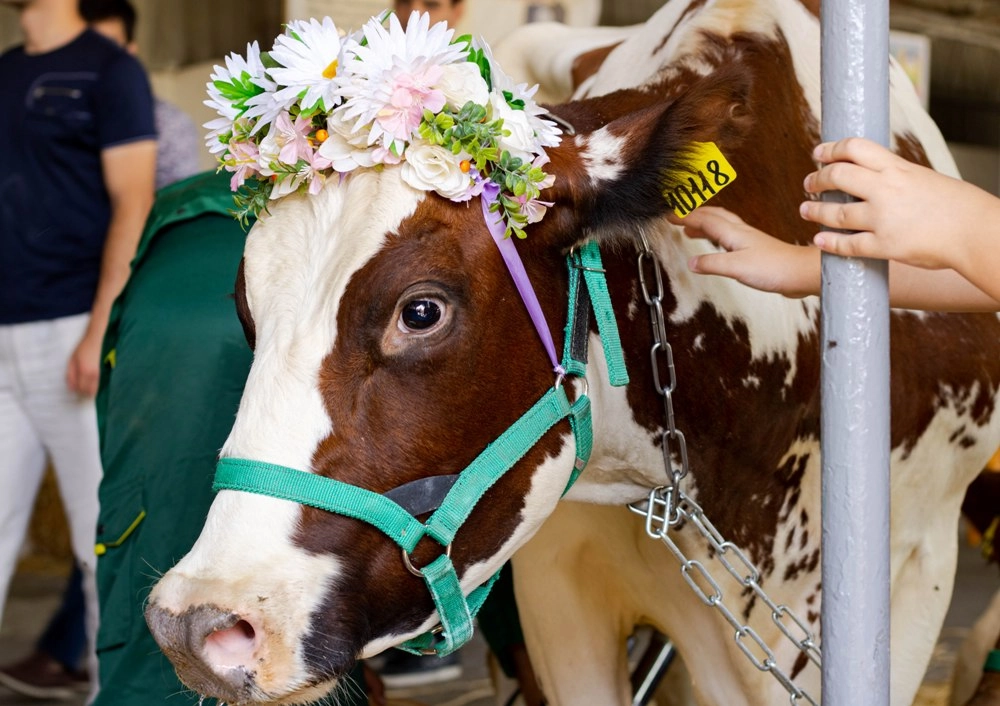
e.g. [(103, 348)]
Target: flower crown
[(319, 104)]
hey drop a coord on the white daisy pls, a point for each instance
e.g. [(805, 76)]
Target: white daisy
[(547, 133), (373, 88), (393, 74), (309, 56), (233, 88), (217, 128), (265, 108)]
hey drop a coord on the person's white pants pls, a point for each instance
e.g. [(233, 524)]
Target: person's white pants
[(41, 419)]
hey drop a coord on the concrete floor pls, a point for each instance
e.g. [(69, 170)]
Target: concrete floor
[(34, 597)]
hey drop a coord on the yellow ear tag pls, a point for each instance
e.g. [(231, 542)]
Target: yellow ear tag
[(708, 172)]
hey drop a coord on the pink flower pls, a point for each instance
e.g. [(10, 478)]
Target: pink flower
[(384, 155), (476, 185), (314, 172), (242, 162), (410, 95), (550, 179), (534, 210), (290, 140)]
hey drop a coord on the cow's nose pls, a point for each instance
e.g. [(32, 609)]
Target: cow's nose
[(188, 631), (212, 649)]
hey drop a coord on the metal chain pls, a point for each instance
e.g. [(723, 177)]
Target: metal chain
[(668, 505)]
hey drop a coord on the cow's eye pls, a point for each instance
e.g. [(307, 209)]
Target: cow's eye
[(423, 319), (419, 315)]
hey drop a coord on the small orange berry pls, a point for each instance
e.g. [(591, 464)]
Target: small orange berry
[(465, 166), (322, 135)]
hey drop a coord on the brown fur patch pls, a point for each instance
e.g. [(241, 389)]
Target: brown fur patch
[(587, 64)]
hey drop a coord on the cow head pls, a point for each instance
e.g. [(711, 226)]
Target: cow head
[(390, 345)]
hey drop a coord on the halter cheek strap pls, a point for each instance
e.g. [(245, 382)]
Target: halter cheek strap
[(453, 498)]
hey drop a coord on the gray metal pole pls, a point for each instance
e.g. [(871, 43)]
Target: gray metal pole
[(855, 383)]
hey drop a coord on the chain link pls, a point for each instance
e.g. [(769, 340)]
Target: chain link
[(668, 505)]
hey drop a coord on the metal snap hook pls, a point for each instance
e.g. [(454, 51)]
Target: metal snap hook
[(414, 570), (428, 651)]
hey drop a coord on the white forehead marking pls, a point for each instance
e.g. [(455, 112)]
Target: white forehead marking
[(298, 263)]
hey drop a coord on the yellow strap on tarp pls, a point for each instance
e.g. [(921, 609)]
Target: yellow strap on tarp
[(102, 547)]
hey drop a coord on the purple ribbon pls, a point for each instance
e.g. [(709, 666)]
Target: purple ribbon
[(495, 224)]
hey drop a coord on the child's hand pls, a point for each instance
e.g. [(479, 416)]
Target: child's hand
[(752, 256), (906, 212)]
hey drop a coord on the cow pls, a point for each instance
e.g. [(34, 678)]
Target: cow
[(391, 346), (972, 684)]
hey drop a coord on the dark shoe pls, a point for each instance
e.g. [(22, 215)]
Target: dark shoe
[(401, 669), (41, 677)]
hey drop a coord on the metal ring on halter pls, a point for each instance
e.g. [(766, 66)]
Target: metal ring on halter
[(414, 570), (561, 377)]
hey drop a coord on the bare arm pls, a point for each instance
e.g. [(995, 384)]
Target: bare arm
[(760, 261), (129, 173), (936, 290)]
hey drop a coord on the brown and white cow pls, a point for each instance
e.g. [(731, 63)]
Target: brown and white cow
[(276, 601)]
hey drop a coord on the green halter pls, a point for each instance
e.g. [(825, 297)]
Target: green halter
[(393, 513)]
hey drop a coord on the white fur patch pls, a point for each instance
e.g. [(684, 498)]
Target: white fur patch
[(601, 154), (625, 462), (298, 264)]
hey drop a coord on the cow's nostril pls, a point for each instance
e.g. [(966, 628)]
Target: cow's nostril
[(231, 647)]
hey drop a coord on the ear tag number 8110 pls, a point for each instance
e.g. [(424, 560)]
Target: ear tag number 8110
[(708, 172)]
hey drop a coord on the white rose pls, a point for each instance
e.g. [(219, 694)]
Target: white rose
[(432, 168), (462, 83), (344, 149), (521, 140)]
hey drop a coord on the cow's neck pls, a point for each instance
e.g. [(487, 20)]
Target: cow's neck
[(730, 344)]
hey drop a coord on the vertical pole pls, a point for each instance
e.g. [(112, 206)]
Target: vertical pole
[(855, 383)]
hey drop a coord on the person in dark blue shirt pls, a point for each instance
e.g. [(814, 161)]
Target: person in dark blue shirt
[(77, 163), (178, 140)]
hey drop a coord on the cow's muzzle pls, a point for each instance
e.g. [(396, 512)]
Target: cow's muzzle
[(213, 650)]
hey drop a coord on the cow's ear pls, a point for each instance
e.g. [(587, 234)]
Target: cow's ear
[(624, 170)]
